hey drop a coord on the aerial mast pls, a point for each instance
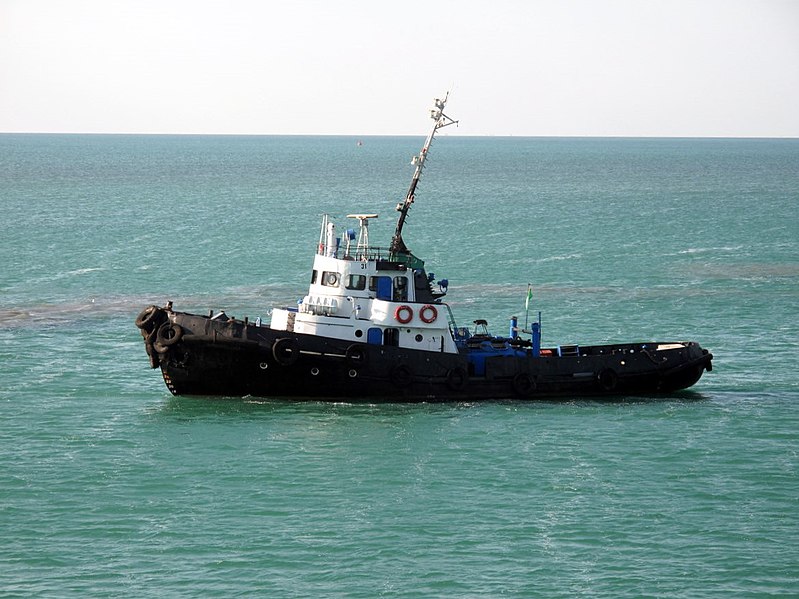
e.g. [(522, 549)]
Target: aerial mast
[(441, 120)]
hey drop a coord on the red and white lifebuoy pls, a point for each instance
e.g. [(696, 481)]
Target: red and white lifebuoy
[(428, 313), (403, 314)]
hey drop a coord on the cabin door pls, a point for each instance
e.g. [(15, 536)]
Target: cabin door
[(384, 289), (374, 336)]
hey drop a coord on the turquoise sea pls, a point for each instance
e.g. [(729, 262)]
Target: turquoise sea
[(111, 487)]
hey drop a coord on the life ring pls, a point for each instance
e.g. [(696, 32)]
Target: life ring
[(608, 379), (431, 317), (456, 378), (168, 334), (285, 351), (403, 314), (401, 376), (147, 316), (356, 354), (523, 384)]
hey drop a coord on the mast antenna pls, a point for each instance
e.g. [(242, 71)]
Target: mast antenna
[(441, 120)]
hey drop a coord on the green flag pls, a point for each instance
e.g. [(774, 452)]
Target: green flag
[(529, 297)]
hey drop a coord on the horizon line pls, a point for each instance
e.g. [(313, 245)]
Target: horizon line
[(376, 135)]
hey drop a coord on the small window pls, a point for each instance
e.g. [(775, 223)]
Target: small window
[(314, 276), (372, 283), (400, 289), (330, 279), (356, 282)]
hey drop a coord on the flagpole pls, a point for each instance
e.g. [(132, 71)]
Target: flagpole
[(527, 306)]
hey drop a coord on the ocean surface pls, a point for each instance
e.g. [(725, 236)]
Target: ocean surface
[(111, 487)]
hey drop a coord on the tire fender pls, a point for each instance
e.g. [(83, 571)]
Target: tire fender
[(607, 379), (168, 335), (456, 378), (523, 384), (286, 351)]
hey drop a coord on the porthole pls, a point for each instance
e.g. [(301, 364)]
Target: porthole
[(315, 371), (418, 338)]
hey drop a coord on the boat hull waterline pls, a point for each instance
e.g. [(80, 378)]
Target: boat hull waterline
[(198, 355)]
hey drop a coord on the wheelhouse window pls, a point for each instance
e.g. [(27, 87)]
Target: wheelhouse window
[(400, 289), (314, 276), (356, 282)]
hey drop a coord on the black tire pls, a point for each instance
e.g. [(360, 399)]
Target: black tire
[(147, 317), (401, 376), (356, 354), (286, 351), (607, 379), (168, 334), (456, 379), (523, 384)]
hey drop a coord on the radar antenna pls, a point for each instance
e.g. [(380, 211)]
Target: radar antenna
[(441, 120)]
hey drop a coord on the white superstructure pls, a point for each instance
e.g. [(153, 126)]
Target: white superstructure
[(358, 293)]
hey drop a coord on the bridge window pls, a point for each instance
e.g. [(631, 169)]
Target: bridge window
[(356, 282), (400, 289)]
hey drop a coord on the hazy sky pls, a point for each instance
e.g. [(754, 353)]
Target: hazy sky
[(526, 67)]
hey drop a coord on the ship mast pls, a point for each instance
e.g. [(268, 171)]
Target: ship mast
[(441, 120)]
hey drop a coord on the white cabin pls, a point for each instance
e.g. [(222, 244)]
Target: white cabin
[(360, 294)]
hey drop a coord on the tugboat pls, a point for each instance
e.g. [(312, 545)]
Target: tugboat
[(373, 327)]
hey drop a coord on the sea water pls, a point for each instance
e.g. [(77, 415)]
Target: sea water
[(109, 486)]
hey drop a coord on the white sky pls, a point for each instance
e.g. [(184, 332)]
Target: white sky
[(515, 67)]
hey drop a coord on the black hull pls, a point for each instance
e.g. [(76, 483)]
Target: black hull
[(199, 355)]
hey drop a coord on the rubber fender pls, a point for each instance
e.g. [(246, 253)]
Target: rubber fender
[(147, 317), (168, 334), (356, 354), (456, 378), (608, 379), (523, 384), (401, 376), (286, 351)]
